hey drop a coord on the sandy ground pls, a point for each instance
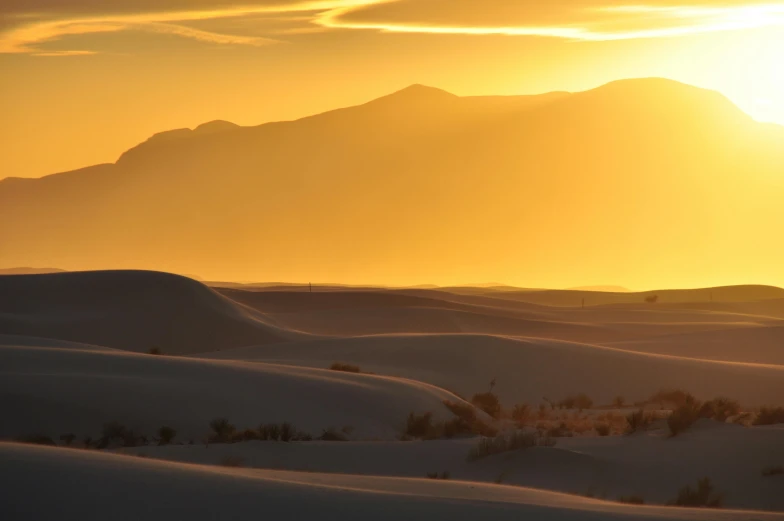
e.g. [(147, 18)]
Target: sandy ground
[(52, 483), (73, 357)]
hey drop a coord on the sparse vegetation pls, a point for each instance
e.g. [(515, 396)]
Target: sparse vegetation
[(488, 402), (509, 441), (332, 435), (770, 416), (521, 413), (704, 496), (166, 435), (155, 351), (346, 368), (631, 500), (638, 421), (436, 475), (719, 409), (618, 402), (652, 299), (773, 471), (580, 402), (682, 418), (602, 429), (222, 429)]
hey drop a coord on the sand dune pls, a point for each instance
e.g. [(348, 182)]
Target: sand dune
[(528, 369), (649, 465), (132, 310), (34, 488), (54, 391)]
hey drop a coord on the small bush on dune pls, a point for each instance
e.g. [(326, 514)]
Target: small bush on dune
[(421, 426), (67, 439), (719, 409), (631, 500), (673, 397), (346, 368), (602, 429), (702, 496), (638, 421), (488, 402), (773, 471), (580, 402), (770, 416), (222, 429), (466, 421), (619, 402), (436, 475), (682, 419), (245, 435), (287, 432), (155, 351), (166, 435), (521, 413)]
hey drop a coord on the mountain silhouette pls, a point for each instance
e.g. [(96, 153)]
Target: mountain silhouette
[(637, 179)]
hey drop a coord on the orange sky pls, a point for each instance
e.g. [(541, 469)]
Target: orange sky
[(82, 82)]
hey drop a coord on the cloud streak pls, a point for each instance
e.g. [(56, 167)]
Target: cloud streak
[(41, 26)]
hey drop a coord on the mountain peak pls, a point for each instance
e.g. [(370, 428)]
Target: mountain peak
[(416, 94)]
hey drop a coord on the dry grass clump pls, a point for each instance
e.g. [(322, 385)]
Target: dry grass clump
[(704, 496), (488, 402), (509, 441), (769, 416), (682, 418), (639, 421), (346, 368)]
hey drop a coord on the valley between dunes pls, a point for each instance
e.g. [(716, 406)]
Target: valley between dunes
[(75, 355)]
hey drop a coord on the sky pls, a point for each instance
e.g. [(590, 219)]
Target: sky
[(84, 80)]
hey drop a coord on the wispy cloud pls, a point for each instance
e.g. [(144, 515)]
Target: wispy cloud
[(37, 30)]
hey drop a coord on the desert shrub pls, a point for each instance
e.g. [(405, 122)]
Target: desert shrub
[(560, 431), (769, 416), (618, 402), (166, 435), (602, 429), (488, 402), (632, 500), (36, 439), (773, 471), (702, 496), (87, 441), (346, 368), (231, 461), (638, 421), (67, 439), (521, 413), (509, 441), (332, 434), (421, 426), (652, 299), (682, 418), (436, 475), (719, 409), (155, 351), (245, 435), (273, 432), (117, 432), (287, 432), (222, 429), (466, 421)]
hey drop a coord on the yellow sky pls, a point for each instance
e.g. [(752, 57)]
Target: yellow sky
[(82, 81)]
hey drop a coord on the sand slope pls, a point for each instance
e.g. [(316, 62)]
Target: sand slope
[(528, 369), (649, 465), (55, 391), (101, 486), (133, 310)]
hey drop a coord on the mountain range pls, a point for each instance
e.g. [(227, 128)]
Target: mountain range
[(641, 179)]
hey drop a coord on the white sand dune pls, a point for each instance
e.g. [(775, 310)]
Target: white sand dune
[(528, 369), (132, 310), (104, 486), (54, 391), (761, 344), (648, 465)]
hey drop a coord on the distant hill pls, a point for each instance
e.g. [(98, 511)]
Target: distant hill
[(642, 179), (28, 271)]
